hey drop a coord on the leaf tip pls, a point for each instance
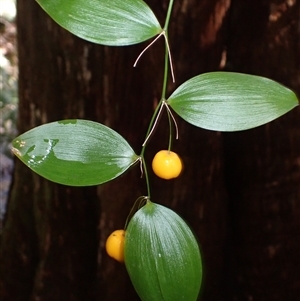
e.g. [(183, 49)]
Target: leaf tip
[(17, 145), (16, 152)]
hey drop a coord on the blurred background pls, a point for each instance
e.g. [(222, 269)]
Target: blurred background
[(8, 95)]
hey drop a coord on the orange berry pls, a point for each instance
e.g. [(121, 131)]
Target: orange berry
[(167, 164), (115, 245)]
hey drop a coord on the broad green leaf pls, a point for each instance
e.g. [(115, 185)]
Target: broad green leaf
[(75, 152), (106, 22), (227, 101), (162, 255)]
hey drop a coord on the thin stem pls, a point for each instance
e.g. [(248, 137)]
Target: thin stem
[(168, 15), (154, 120), (174, 120), (166, 68), (140, 200), (164, 88), (154, 124), (170, 133), (150, 127), (147, 178), (170, 119), (167, 50), (141, 166), (170, 56)]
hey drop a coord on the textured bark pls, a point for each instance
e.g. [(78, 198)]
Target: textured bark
[(49, 243), (201, 201), (53, 239), (263, 164)]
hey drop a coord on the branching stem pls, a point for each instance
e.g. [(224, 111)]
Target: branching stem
[(162, 103)]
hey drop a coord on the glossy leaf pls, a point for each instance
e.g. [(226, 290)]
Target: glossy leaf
[(162, 255), (75, 152), (106, 22), (227, 101)]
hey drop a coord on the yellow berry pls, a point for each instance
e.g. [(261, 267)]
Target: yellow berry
[(167, 165), (115, 245)]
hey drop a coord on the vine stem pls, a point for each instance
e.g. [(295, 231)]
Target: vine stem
[(168, 15), (147, 178), (154, 120), (138, 202), (171, 118)]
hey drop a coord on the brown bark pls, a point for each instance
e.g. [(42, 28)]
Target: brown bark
[(263, 164), (53, 240), (64, 77), (49, 243)]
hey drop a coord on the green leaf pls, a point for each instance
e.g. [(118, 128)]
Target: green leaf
[(162, 255), (106, 22), (75, 152), (227, 101)]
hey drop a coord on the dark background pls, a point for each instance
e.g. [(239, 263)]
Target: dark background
[(239, 191)]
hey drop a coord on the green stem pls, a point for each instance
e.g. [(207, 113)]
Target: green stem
[(165, 80), (151, 125), (168, 15), (170, 134), (146, 177), (164, 88), (135, 205), (163, 97), (166, 26)]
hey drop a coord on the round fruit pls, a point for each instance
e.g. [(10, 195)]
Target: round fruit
[(115, 245), (167, 164)]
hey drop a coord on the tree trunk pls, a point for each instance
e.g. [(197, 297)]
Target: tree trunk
[(49, 243), (262, 164), (53, 238)]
